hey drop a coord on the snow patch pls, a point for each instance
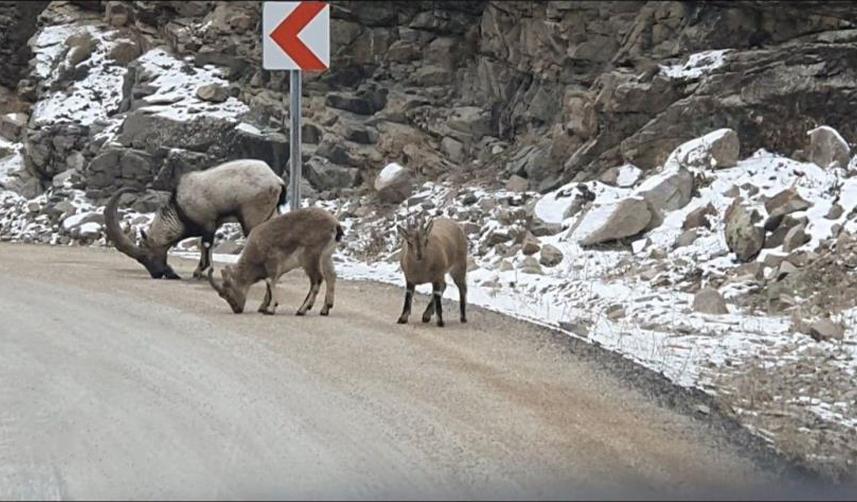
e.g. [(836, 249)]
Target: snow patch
[(697, 65)]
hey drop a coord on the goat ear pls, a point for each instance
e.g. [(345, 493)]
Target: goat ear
[(428, 226), (144, 235)]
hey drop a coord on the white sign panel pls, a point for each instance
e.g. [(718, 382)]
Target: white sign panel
[(296, 36)]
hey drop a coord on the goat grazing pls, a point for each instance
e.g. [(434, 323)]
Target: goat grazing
[(429, 252), (303, 238), (246, 190)]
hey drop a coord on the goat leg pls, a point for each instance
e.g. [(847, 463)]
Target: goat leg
[(315, 285), (204, 256), (429, 310), (437, 295), (329, 284), (269, 303), (409, 297)]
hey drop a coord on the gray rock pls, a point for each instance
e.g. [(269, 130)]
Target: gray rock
[(835, 212), (786, 202), (453, 148), (531, 245), (214, 93), (541, 228), (614, 221), (743, 237), (826, 146), (324, 175), (530, 265), (124, 51), (824, 330), (80, 47), (64, 177), (783, 269), (666, 192), (12, 125), (699, 217), (687, 238), (795, 238), (517, 184), (718, 149), (228, 247), (396, 187), (498, 236), (709, 301), (431, 75), (471, 121), (550, 256), (118, 14)]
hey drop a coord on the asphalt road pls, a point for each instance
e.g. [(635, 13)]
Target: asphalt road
[(114, 385)]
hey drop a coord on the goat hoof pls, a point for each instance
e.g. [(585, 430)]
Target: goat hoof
[(324, 312), (402, 320), (300, 312), (440, 324), (426, 318), (464, 319)]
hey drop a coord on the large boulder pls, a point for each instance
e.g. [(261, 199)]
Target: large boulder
[(786, 202), (325, 175), (613, 221), (717, 149), (550, 256), (699, 217), (826, 146), (743, 236), (709, 301), (666, 191), (394, 183), (795, 238)]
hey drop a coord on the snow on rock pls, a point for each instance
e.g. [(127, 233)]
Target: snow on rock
[(697, 65), (717, 149), (622, 176), (176, 83), (88, 100), (613, 221), (393, 183)]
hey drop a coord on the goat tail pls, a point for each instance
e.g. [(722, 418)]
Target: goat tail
[(282, 199), (339, 233)]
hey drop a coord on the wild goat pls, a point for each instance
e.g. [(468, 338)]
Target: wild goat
[(429, 252), (304, 238), (246, 190)]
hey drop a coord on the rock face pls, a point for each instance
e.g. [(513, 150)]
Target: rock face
[(743, 236), (18, 21), (547, 91), (709, 301), (826, 146), (615, 221)]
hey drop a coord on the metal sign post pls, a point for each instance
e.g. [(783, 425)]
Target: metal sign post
[(296, 163), (295, 37)]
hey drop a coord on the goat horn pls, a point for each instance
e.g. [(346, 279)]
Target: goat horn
[(114, 231)]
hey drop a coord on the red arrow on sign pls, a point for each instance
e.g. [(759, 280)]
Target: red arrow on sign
[(286, 35)]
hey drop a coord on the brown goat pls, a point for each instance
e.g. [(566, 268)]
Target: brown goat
[(303, 238), (429, 252)]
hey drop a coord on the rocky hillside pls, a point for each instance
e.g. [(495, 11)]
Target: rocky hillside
[(671, 180), (549, 91)]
